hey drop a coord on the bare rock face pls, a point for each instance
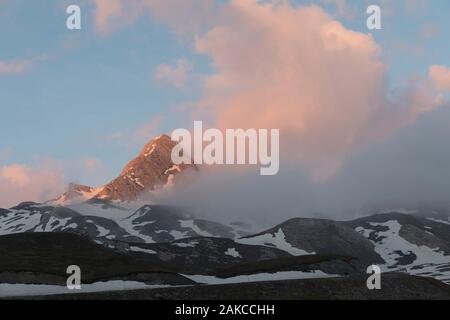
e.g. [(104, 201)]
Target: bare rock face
[(150, 170)]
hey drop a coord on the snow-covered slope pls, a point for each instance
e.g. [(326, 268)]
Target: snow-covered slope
[(33, 217), (102, 220), (413, 244), (202, 254), (395, 241), (302, 236)]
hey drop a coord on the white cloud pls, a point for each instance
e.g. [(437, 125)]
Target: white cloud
[(176, 76)]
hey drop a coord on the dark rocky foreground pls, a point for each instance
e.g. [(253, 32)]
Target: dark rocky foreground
[(395, 286)]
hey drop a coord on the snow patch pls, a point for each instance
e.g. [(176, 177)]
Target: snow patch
[(190, 224), (177, 234), (391, 242), (284, 275), (190, 244), (233, 253), (440, 220), (277, 240), (139, 249), (15, 290)]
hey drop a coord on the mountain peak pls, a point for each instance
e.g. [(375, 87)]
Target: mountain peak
[(75, 192), (155, 147), (149, 171)]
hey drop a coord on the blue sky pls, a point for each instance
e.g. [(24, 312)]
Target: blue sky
[(73, 97), (85, 88)]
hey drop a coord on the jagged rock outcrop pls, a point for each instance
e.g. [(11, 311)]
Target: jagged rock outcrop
[(150, 170)]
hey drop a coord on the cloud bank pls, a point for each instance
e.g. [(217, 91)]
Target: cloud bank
[(299, 70), (349, 141), (293, 68)]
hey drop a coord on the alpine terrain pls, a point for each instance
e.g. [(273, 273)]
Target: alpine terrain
[(122, 241)]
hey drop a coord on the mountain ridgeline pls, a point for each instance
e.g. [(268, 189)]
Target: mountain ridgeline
[(116, 235)]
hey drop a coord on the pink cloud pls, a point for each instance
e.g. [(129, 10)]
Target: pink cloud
[(299, 70), (294, 68), (187, 16), (114, 14), (47, 179), (19, 183), (440, 76), (176, 76), (15, 67)]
